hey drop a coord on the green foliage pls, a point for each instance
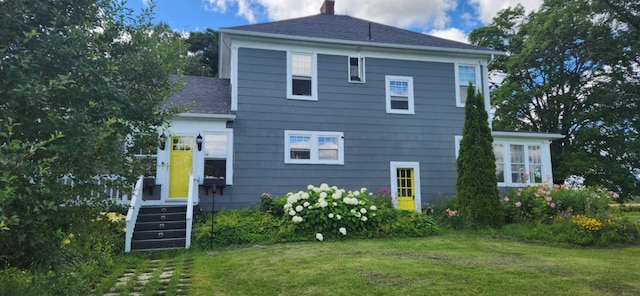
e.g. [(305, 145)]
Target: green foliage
[(540, 204), (572, 70), (330, 211), (381, 199), (78, 79), (240, 227), (579, 216), (477, 190), (401, 223), (301, 216), (583, 230), (204, 46)]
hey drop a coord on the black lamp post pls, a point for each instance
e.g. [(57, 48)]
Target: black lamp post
[(199, 142)]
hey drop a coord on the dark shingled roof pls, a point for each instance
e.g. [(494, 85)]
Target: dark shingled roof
[(342, 27), (208, 95)]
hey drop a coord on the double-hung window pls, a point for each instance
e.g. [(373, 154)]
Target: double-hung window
[(465, 74), (313, 147), (518, 163), (356, 69), (301, 73), (399, 94), (216, 155)]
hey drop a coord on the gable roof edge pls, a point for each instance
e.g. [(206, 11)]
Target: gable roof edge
[(488, 52)]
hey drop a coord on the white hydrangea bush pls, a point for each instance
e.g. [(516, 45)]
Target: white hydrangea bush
[(328, 210)]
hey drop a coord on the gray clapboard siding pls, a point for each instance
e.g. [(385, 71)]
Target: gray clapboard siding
[(372, 137)]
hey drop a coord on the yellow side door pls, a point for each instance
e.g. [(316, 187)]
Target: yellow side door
[(406, 189), (180, 166)]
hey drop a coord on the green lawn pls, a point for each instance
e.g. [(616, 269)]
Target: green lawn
[(450, 264)]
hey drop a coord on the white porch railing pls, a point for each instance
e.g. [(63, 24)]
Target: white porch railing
[(119, 196), (192, 199), (132, 214)]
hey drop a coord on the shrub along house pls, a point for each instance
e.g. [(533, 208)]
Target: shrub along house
[(332, 99)]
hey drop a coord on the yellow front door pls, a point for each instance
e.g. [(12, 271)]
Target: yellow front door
[(181, 160), (406, 189)]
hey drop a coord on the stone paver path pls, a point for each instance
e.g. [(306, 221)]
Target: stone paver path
[(169, 276)]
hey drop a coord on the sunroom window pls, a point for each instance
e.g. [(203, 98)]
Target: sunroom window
[(518, 163)]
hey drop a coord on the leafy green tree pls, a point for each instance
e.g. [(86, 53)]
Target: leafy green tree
[(477, 190), (78, 80), (204, 49), (571, 69)]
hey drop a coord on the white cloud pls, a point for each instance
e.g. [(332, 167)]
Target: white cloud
[(271, 9), (145, 2), (436, 15), (401, 13), (454, 34), (487, 9)]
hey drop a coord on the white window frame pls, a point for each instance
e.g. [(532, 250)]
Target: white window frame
[(314, 149), (388, 79), (361, 69), (476, 67), (545, 159), (228, 156), (314, 77)]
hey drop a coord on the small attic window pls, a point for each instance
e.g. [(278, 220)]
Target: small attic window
[(356, 69)]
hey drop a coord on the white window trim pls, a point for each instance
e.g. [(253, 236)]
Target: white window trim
[(228, 156), (545, 158), (457, 77), (409, 80), (393, 167), (314, 77), (361, 69), (314, 158)]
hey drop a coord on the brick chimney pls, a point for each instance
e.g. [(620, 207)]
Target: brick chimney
[(327, 7)]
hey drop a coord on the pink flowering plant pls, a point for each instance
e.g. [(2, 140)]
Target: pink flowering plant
[(381, 198), (540, 203), (327, 211)]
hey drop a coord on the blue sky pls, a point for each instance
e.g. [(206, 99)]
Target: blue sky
[(452, 19)]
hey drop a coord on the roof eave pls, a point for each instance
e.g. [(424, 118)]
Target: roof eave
[(206, 116), (487, 52), (527, 135)]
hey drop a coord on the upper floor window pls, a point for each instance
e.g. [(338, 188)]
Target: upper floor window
[(301, 72), (466, 74), (399, 94), (356, 69), (312, 147)]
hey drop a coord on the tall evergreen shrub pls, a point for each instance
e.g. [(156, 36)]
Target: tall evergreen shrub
[(477, 190)]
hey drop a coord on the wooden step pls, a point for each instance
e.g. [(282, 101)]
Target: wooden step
[(157, 244), (159, 234), (161, 225)]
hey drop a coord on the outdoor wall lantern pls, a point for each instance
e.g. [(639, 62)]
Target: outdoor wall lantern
[(199, 142), (163, 141)]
